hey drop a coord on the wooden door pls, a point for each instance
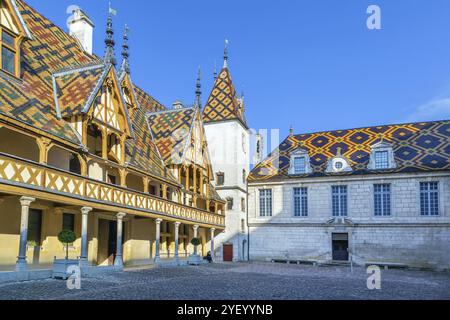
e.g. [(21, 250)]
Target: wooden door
[(228, 252)]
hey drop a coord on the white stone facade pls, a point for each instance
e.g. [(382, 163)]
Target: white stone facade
[(228, 142), (404, 237)]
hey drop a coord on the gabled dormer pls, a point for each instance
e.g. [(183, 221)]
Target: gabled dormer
[(300, 162), (382, 156), (12, 32), (109, 114)]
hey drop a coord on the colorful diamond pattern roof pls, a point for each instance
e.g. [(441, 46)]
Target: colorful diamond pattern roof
[(223, 103), (417, 147), (171, 130)]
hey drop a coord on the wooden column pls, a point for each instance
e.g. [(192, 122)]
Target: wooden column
[(104, 144), (146, 181), (44, 145)]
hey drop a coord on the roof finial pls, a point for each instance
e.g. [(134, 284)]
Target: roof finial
[(291, 131), (125, 51), (225, 55), (215, 71), (198, 92), (109, 40)]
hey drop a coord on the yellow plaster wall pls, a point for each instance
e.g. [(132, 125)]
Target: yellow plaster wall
[(9, 231)]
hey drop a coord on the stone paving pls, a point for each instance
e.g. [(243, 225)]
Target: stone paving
[(247, 281)]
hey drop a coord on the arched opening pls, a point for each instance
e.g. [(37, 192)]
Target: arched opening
[(63, 159), (94, 140), (114, 148), (19, 145), (154, 188)]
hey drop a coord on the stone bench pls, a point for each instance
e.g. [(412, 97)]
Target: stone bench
[(387, 265)]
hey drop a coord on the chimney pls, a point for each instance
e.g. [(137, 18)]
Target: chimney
[(82, 28), (177, 105)]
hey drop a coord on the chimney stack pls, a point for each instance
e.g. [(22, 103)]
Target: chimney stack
[(82, 28)]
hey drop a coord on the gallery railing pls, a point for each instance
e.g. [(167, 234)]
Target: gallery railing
[(25, 173)]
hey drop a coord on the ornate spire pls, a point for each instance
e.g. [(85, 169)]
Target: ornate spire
[(225, 54), (125, 51), (291, 131), (109, 40), (198, 92)]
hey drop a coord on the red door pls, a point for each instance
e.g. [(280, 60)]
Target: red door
[(228, 252)]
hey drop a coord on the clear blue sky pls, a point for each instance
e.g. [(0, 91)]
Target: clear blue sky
[(313, 64)]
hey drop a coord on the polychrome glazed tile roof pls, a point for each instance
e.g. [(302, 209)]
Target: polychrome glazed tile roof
[(417, 147), (54, 62), (30, 100), (171, 130), (73, 88), (223, 103)]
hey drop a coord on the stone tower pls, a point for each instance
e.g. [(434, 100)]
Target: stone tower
[(228, 138)]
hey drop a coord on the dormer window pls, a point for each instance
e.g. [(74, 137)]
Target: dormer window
[(339, 164), (12, 33), (382, 157), (300, 163)]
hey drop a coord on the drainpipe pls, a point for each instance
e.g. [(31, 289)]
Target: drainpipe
[(248, 227)]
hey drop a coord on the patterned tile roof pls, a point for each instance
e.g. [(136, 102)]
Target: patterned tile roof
[(73, 89), (141, 151), (52, 57), (223, 103), (417, 147), (30, 100), (171, 130)]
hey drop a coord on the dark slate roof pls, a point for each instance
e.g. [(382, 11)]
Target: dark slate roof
[(418, 147)]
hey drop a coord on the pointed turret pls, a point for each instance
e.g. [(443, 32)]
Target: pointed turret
[(223, 103)]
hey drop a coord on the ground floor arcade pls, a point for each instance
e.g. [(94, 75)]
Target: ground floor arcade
[(29, 229)]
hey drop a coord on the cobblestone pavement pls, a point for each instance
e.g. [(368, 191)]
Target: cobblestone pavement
[(249, 281)]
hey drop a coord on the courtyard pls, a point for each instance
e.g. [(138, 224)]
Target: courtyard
[(239, 281)]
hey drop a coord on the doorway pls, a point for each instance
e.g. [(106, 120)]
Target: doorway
[(107, 241), (228, 253), (340, 246)]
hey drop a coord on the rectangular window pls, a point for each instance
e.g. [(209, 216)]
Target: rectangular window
[(265, 203), (301, 202), (8, 60), (68, 222), (243, 204), (381, 160), (34, 227), (230, 203), (339, 195), (429, 198), (299, 165), (220, 179), (8, 39), (382, 200)]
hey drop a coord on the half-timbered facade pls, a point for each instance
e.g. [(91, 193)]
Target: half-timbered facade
[(80, 149)]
